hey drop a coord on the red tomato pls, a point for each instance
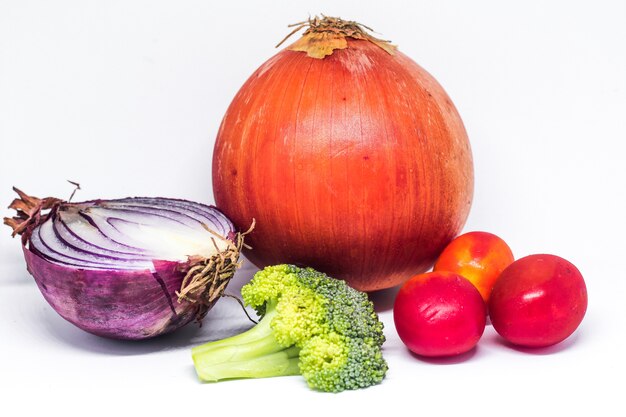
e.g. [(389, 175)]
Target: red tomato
[(439, 314), (478, 256), (538, 301)]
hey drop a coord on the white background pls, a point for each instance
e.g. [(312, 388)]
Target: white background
[(125, 97)]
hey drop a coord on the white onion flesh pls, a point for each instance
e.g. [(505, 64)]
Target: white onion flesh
[(129, 234)]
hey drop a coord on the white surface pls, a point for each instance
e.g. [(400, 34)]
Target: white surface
[(125, 97)]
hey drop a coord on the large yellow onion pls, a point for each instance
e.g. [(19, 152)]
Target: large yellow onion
[(351, 158)]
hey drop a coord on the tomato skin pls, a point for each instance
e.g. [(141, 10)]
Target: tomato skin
[(439, 314), (538, 301), (478, 256)]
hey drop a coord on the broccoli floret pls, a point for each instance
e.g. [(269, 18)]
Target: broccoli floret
[(311, 325)]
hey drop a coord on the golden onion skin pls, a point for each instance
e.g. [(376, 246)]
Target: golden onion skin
[(357, 164)]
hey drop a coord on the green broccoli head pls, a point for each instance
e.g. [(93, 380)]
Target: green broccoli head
[(334, 362), (311, 325), (300, 309)]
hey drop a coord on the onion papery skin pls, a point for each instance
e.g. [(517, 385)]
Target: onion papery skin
[(357, 164), (119, 304)]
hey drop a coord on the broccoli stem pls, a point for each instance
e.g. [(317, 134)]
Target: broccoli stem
[(260, 331), (254, 353), (283, 363)]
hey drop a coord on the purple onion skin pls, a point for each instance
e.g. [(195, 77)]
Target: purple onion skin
[(119, 304)]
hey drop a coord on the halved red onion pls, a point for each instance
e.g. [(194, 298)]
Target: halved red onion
[(130, 268)]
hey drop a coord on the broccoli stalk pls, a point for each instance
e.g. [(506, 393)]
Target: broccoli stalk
[(251, 354), (311, 325)]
